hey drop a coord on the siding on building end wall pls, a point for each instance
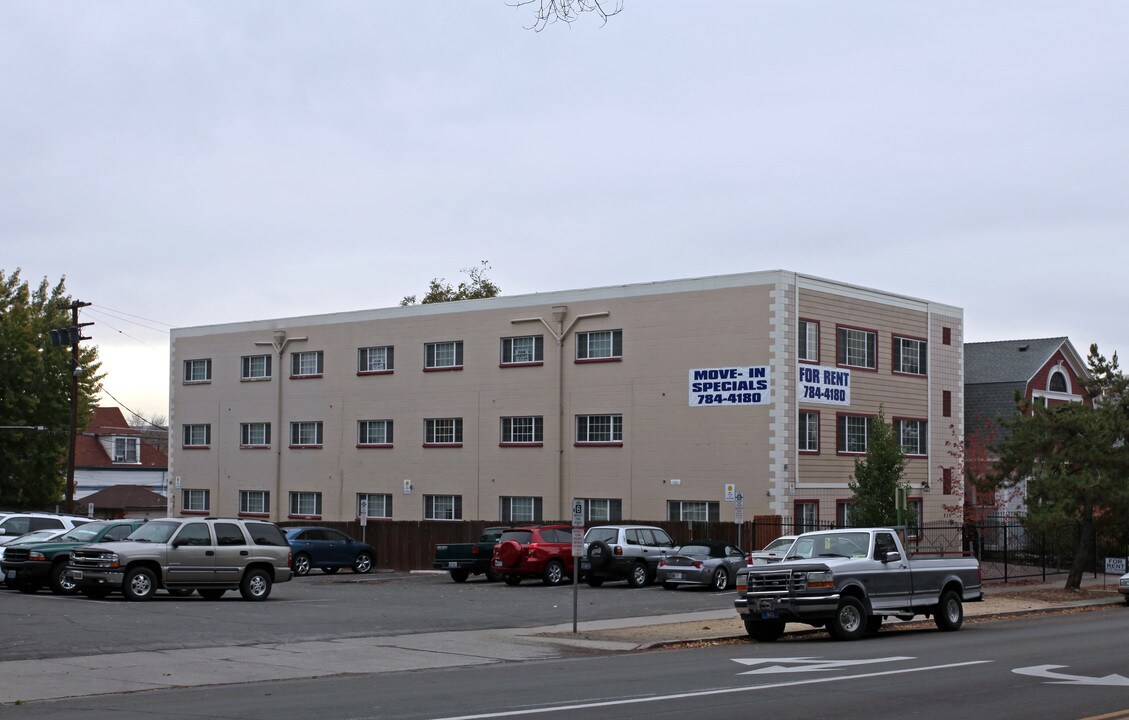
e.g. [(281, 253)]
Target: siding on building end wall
[(670, 451)]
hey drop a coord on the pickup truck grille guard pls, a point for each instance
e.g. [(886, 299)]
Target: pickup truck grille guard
[(777, 583)]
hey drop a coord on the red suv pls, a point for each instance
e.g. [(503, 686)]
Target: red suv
[(543, 551)]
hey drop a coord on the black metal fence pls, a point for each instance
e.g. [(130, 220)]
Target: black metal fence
[(1009, 548)]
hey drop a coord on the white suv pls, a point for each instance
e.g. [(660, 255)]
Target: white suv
[(16, 524), (624, 552)]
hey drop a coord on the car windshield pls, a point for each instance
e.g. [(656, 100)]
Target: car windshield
[(35, 536), (779, 544), (598, 534), (84, 533), (154, 531), (840, 544)]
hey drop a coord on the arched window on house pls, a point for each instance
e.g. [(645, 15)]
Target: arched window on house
[(1057, 382)]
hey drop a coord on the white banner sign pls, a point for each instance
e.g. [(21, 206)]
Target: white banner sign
[(730, 386), (821, 384)]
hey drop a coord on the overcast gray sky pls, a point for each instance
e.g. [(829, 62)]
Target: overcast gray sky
[(194, 163)]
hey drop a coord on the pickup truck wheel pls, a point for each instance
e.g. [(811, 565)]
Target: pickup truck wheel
[(61, 582), (492, 576), (180, 592), (720, 579), (256, 585), (363, 563), (29, 588), (512, 579), (211, 593), (950, 612), (94, 593), (140, 584), (460, 576), (593, 581), (554, 573), (873, 624), (301, 564), (849, 622), (764, 630), (599, 554), (639, 575)]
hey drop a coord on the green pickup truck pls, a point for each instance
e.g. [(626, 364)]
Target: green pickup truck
[(30, 567), (465, 559)]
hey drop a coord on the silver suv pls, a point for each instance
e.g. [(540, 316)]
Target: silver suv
[(624, 552), (208, 555)]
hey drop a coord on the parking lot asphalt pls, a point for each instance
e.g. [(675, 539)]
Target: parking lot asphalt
[(124, 672)]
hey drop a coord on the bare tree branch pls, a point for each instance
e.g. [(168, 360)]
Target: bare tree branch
[(548, 12)]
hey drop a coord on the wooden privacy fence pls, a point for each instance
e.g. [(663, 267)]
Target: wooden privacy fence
[(405, 545)]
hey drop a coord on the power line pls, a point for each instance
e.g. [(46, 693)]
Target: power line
[(123, 332), (131, 412), (122, 312), (103, 313)]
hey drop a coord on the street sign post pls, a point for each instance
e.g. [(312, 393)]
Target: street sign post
[(577, 552)]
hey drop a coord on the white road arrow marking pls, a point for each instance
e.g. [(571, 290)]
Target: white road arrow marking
[(1046, 671), (806, 664)]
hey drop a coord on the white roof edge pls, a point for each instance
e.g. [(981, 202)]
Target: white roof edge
[(660, 287)]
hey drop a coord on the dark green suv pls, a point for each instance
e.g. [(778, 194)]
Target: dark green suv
[(29, 567)]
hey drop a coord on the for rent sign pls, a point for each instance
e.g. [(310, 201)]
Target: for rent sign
[(827, 385), (730, 386)]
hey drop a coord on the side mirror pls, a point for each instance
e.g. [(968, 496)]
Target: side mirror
[(892, 557)]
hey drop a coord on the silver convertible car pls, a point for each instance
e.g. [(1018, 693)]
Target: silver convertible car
[(701, 562)]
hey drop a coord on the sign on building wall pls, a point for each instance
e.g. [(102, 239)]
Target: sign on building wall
[(821, 384), (730, 386)]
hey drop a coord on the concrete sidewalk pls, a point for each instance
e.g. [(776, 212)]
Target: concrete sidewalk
[(32, 680)]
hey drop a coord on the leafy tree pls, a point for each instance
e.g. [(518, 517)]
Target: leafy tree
[(1075, 458), (547, 12), (878, 476), (35, 387), (440, 290)]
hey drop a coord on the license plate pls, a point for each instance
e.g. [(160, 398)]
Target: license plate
[(767, 609), (11, 574), (585, 565), (497, 563), (453, 565), (76, 574), (675, 576)]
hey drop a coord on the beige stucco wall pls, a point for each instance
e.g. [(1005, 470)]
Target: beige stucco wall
[(668, 329)]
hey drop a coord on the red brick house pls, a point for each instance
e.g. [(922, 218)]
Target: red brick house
[(1046, 370)]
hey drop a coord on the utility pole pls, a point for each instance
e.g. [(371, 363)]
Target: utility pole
[(72, 336)]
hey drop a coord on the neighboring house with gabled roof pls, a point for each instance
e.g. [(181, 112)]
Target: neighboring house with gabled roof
[(1045, 370), (127, 501), (109, 452)]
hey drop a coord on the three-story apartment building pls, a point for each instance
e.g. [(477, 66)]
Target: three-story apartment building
[(702, 398)]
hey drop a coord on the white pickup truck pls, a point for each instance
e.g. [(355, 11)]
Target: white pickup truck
[(849, 581)]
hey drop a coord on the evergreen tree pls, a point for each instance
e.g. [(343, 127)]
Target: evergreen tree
[(877, 477), (35, 387), (1074, 457)]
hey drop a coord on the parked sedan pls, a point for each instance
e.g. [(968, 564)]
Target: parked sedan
[(774, 552), (328, 550), (1123, 586), (701, 562)]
